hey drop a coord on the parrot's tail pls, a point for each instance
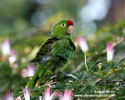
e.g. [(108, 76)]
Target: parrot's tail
[(39, 75), (33, 81)]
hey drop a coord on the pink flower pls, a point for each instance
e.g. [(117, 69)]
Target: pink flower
[(110, 52), (18, 98), (67, 95), (26, 93), (12, 57), (5, 47), (82, 43), (47, 95), (53, 96), (9, 96), (23, 73), (40, 97), (30, 70)]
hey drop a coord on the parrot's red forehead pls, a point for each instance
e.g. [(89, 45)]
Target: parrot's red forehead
[(69, 22)]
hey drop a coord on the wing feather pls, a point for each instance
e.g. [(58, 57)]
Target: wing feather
[(44, 54)]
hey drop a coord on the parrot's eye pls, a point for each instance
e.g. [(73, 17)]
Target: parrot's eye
[(63, 25)]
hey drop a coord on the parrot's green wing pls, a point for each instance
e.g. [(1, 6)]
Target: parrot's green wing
[(44, 53), (63, 48), (54, 48)]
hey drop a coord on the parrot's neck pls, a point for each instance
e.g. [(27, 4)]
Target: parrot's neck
[(61, 37)]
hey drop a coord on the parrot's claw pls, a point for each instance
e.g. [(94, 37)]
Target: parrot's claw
[(69, 75), (54, 76)]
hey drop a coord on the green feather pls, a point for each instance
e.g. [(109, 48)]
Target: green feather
[(62, 48)]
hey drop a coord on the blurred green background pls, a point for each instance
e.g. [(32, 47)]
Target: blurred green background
[(27, 23), (20, 15)]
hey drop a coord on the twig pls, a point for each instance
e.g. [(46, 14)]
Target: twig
[(86, 63), (112, 95)]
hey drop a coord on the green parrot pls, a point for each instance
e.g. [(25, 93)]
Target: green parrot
[(54, 52)]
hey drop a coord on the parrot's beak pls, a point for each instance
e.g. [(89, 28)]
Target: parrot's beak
[(70, 29)]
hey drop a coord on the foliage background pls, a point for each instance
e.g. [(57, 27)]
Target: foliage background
[(27, 23)]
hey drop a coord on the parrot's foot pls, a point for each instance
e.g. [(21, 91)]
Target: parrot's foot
[(69, 75), (54, 76)]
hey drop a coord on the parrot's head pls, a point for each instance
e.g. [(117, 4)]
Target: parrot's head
[(63, 29)]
